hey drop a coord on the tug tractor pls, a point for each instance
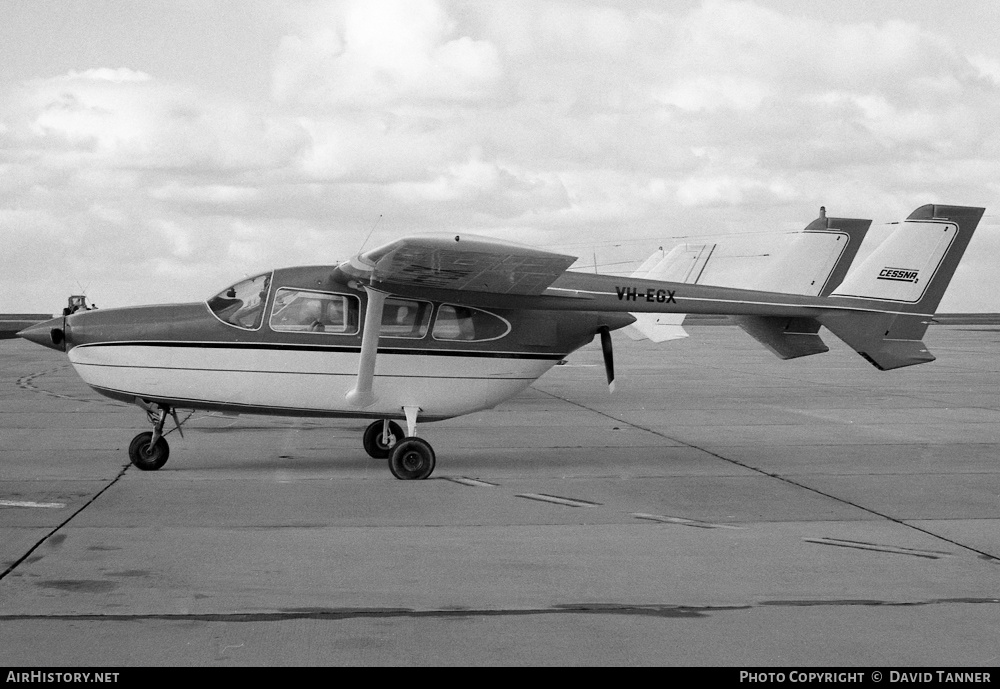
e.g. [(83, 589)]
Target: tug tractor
[(77, 302)]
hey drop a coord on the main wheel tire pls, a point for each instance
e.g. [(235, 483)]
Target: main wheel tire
[(373, 439), (412, 459), (145, 456)]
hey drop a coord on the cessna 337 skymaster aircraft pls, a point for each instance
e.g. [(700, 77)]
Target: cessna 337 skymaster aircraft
[(435, 327)]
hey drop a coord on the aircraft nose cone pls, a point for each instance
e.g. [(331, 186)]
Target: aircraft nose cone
[(49, 334)]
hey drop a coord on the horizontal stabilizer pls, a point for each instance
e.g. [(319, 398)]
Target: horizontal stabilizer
[(788, 338)]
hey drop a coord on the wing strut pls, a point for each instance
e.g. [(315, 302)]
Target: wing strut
[(361, 396)]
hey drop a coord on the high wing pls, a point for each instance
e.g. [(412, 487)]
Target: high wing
[(881, 309), (463, 263), (488, 273)]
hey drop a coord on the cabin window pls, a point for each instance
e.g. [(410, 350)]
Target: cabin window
[(306, 311), (465, 323), (405, 318), (242, 304)]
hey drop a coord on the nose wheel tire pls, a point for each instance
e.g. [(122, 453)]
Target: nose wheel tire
[(145, 456), (373, 439), (412, 459)]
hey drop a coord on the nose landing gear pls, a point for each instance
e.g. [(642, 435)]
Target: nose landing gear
[(149, 451), (147, 454)]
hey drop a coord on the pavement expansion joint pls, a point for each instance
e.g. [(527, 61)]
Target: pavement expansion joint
[(66, 521), (780, 477)]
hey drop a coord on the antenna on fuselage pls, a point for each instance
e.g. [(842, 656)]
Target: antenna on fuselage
[(370, 233)]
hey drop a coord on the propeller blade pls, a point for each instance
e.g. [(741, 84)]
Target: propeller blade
[(609, 356)]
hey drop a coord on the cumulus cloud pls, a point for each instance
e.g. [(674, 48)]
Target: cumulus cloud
[(364, 53), (112, 171), (615, 125), (123, 118)]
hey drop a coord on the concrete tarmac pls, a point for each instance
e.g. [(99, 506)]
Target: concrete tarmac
[(722, 508)]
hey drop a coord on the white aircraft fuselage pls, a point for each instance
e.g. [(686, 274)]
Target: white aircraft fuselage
[(192, 356)]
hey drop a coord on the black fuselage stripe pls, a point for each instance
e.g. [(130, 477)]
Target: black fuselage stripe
[(327, 348)]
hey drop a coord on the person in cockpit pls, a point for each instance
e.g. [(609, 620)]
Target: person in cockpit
[(312, 313)]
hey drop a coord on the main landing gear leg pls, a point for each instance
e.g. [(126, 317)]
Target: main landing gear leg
[(149, 451), (413, 457)]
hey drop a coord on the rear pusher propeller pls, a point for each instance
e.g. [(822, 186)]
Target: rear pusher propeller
[(609, 356)]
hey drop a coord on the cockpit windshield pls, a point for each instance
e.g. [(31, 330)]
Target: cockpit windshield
[(242, 304)]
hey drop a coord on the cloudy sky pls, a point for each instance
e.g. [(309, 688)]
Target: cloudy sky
[(156, 152)]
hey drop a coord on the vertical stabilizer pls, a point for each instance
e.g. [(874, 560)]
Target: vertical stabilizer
[(913, 266), (818, 258), (814, 264), (905, 277), (661, 265)]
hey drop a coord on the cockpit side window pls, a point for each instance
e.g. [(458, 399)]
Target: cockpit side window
[(465, 323), (405, 318), (308, 311), (242, 305)]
